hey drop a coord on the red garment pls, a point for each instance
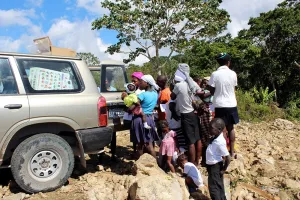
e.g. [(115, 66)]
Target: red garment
[(165, 96)]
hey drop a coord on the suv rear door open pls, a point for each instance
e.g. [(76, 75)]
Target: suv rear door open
[(111, 78)]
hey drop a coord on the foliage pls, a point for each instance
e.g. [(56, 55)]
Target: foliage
[(263, 96), (277, 33), (97, 77), (154, 25), (168, 70), (89, 58), (293, 110), (250, 110), (265, 58)]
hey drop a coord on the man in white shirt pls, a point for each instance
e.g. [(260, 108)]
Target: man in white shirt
[(222, 85), (216, 152)]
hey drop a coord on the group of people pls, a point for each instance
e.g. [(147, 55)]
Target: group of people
[(187, 121)]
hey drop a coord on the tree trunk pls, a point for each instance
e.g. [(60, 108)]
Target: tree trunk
[(274, 88), (157, 64)]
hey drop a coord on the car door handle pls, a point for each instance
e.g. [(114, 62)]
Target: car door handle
[(13, 106)]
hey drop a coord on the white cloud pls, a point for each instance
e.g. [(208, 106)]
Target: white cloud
[(35, 3), (22, 18), (16, 17), (92, 6), (241, 10), (78, 35), (9, 45)]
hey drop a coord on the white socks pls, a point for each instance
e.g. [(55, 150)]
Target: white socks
[(146, 126)]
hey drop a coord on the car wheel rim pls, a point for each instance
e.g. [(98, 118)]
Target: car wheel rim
[(44, 165)]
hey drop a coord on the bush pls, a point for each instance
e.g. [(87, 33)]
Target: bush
[(293, 110), (249, 110)]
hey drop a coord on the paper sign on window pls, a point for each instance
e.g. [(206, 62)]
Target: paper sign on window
[(46, 79)]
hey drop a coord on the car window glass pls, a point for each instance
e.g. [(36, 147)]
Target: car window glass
[(7, 80), (48, 76), (115, 79)]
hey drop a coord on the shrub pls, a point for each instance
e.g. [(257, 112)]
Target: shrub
[(250, 110), (263, 96), (293, 110)]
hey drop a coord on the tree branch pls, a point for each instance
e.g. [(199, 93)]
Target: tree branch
[(146, 56)]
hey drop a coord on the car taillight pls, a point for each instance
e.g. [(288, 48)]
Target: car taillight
[(102, 112)]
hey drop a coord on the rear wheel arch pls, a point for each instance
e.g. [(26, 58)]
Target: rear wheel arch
[(60, 129)]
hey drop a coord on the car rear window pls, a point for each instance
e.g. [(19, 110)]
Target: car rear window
[(49, 76)]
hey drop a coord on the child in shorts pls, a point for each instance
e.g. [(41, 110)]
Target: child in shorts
[(131, 101), (193, 178)]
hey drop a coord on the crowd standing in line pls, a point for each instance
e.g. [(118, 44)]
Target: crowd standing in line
[(186, 128)]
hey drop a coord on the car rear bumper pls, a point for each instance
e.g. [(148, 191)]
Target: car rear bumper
[(95, 139)]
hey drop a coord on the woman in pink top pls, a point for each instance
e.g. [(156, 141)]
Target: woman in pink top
[(168, 145)]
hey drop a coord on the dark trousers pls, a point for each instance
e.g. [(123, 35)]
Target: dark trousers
[(216, 182)]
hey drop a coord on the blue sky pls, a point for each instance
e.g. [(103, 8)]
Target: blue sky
[(68, 23)]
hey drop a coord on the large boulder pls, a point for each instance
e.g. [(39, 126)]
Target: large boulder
[(153, 183), (147, 165), (156, 187), (108, 186)]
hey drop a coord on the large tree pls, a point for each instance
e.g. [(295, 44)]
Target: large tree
[(277, 33), (157, 24), (89, 58)]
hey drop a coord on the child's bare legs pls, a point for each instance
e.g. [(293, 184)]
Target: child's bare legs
[(192, 153), (171, 166), (198, 151), (149, 148), (140, 150), (191, 185), (134, 146), (144, 118), (231, 135)]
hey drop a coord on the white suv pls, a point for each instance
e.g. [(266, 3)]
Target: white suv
[(50, 110)]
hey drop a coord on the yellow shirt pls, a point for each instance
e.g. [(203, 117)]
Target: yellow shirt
[(130, 100)]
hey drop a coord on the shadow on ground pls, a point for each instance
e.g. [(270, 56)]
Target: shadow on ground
[(121, 164)]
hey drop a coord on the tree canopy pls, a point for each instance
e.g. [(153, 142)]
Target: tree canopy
[(267, 55), (157, 24), (89, 58)]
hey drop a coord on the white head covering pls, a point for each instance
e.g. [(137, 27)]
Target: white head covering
[(185, 69), (150, 80), (127, 89), (179, 76), (207, 78)]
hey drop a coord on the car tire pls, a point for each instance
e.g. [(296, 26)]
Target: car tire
[(42, 163)]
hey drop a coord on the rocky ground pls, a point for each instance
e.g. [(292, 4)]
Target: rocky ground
[(267, 167)]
